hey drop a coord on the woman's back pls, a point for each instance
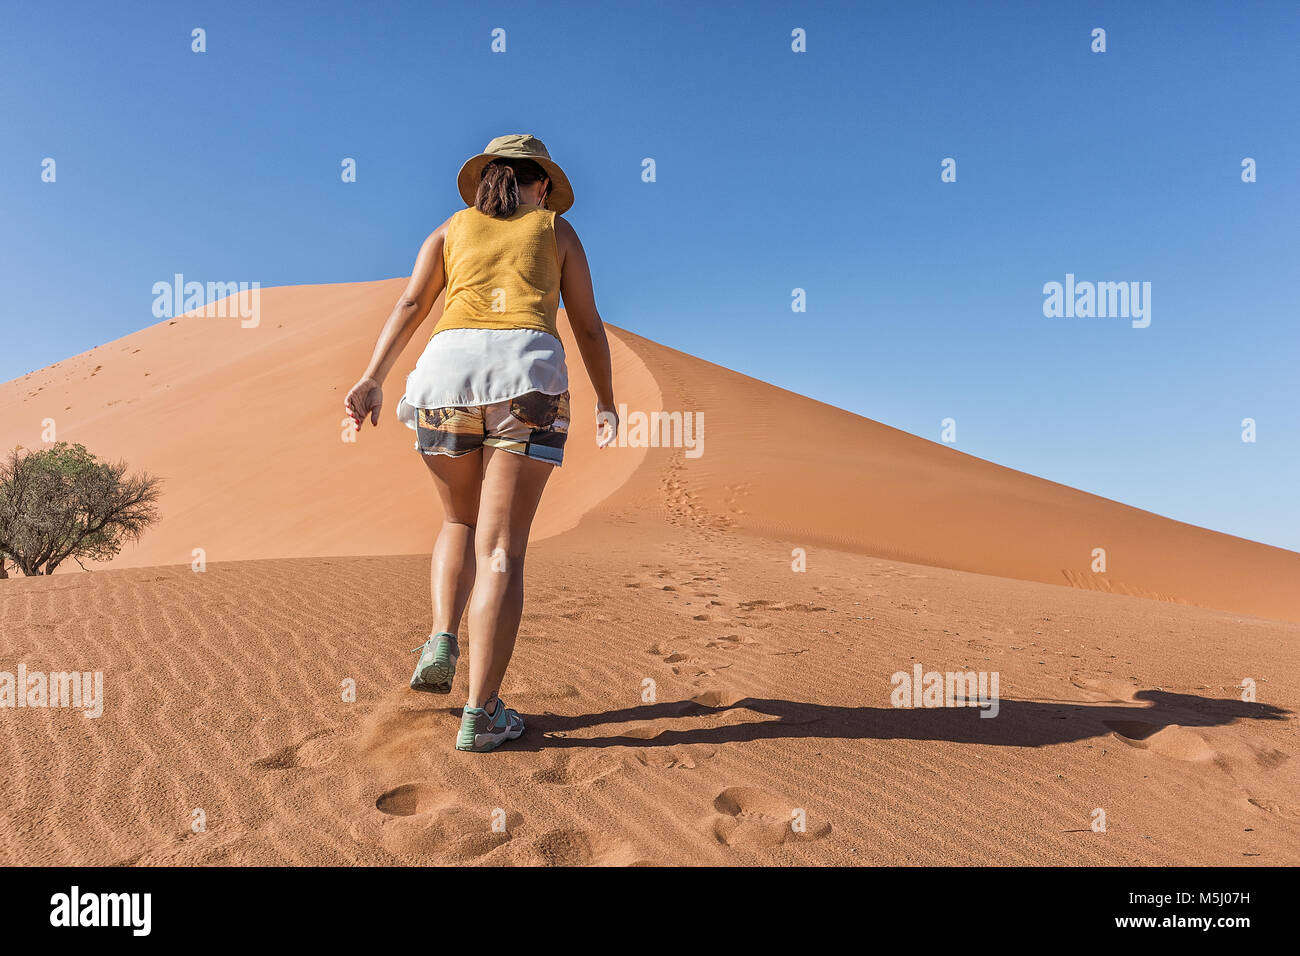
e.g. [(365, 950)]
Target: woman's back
[(489, 403), (501, 273)]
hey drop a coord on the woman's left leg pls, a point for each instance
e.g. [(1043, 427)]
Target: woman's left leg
[(512, 489)]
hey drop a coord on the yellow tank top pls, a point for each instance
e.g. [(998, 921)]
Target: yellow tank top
[(501, 273)]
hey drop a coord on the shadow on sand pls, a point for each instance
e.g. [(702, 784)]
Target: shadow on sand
[(1019, 723)]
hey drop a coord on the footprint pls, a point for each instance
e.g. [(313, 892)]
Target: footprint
[(566, 847), (747, 817), (696, 670), (1270, 758), (785, 606), (1132, 729), (412, 798), (451, 834), (308, 752), (672, 758), (731, 642), (570, 771), (1171, 741), (1107, 691), (556, 775), (718, 697)]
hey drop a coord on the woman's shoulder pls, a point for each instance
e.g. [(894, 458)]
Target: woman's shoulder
[(560, 224), (458, 221), (565, 234)]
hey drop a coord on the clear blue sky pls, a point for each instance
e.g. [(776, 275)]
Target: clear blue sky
[(775, 170)]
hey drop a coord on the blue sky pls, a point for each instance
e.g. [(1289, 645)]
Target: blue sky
[(775, 171)]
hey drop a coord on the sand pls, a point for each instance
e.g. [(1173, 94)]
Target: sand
[(688, 694)]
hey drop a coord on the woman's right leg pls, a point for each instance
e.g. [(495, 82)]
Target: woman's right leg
[(452, 571), (512, 488)]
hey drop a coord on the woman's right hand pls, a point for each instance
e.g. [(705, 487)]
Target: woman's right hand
[(366, 398), (606, 424)]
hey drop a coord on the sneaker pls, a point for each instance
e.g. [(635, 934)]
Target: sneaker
[(436, 669), (481, 731)]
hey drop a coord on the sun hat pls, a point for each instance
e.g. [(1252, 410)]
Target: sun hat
[(516, 146)]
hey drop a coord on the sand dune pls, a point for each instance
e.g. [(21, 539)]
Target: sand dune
[(688, 694), (246, 426), (855, 484)]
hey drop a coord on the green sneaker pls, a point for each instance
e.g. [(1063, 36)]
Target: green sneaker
[(481, 731), (436, 669)]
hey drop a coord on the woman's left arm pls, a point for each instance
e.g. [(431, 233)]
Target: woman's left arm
[(423, 289)]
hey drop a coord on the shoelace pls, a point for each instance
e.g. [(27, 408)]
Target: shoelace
[(416, 650)]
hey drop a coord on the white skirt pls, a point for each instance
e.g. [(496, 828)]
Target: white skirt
[(467, 367)]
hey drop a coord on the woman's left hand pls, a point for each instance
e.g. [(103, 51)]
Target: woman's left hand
[(366, 398)]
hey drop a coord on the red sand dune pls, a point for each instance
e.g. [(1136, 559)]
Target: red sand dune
[(771, 689), (246, 425)]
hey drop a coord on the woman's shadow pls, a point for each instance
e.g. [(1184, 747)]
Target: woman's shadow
[(1018, 723)]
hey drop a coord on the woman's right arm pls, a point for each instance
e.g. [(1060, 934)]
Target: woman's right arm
[(589, 331), (412, 308)]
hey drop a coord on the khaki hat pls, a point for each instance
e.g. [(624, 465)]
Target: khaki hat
[(516, 146)]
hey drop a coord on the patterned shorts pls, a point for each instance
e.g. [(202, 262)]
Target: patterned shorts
[(534, 424)]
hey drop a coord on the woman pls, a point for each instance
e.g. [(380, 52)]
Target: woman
[(489, 403)]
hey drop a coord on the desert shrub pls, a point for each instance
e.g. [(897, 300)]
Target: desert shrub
[(62, 502)]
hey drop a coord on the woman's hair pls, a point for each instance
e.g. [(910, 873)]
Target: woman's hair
[(498, 190)]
